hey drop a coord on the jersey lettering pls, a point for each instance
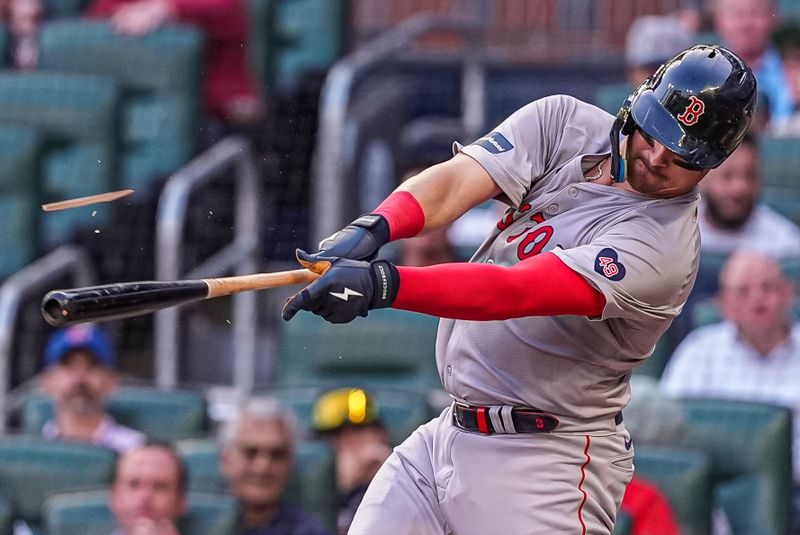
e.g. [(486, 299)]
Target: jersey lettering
[(517, 235), (494, 142), (693, 111), (514, 215), (538, 217), (534, 242)]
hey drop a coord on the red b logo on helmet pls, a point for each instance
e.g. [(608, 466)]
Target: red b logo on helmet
[(693, 111)]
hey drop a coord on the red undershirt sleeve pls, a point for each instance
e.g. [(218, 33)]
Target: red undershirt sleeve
[(539, 286)]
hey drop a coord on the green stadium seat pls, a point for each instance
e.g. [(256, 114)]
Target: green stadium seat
[(790, 9), (684, 475), (749, 445), (705, 312), (18, 216), (20, 149), (159, 74), (654, 365), (77, 117), (201, 457), (291, 37), (4, 44), (89, 513), (32, 468), (785, 202), (390, 347), (56, 9), (780, 160), (313, 484), (161, 414), (312, 487), (623, 524), (6, 519), (611, 97), (260, 45)]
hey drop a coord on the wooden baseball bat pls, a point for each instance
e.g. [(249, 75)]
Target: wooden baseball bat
[(128, 299)]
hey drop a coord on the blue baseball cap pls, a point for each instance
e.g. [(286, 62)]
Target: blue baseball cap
[(85, 337)]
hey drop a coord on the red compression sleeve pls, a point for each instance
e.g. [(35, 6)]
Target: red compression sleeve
[(539, 286), (403, 213)]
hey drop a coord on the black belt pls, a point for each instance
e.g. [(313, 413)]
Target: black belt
[(504, 419)]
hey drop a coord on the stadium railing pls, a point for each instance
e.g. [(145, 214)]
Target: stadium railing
[(229, 160), (28, 285), (334, 160)]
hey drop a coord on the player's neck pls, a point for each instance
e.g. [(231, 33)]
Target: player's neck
[(600, 173)]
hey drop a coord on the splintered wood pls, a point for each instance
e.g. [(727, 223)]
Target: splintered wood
[(86, 201)]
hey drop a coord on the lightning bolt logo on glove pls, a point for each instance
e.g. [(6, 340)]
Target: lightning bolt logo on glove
[(333, 295), (346, 294)]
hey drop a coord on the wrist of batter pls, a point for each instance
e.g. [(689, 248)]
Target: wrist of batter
[(386, 283), (403, 214)]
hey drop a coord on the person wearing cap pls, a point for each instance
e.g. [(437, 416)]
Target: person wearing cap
[(652, 40), (80, 375), (350, 419)]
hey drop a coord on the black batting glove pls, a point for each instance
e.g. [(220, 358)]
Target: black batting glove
[(348, 289), (360, 240)]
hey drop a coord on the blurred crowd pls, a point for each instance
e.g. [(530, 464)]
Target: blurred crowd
[(738, 337), (230, 93)]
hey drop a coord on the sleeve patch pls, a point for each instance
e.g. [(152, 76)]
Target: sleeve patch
[(608, 265), (494, 142)]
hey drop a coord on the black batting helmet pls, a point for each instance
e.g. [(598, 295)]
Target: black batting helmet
[(699, 105)]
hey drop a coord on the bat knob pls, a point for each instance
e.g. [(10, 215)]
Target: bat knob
[(54, 308)]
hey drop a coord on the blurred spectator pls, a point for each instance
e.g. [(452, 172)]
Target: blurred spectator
[(731, 217), (430, 247), (651, 418), (350, 419), (651, 41), (256, 451), (148, 493), (79, 376), (746, 26), (693, 14), (230, 92), (648, 509), (25, 18), (787, 41), (754, 354)]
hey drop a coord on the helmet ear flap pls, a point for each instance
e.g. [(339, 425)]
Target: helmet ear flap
[(628, 125), (623, 125)]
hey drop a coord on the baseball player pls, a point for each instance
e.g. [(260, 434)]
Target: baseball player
[(594, 257)]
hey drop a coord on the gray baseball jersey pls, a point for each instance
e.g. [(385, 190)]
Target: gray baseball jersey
[(640, 252)]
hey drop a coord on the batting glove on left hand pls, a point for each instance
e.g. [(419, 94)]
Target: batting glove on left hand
[(348, 289)]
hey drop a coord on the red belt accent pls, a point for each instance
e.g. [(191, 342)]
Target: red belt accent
[(483, 424)]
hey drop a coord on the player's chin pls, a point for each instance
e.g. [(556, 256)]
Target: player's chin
[(643, 183), (647, 182)]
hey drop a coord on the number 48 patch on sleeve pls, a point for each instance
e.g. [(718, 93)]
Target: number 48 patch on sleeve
[(607, 264)]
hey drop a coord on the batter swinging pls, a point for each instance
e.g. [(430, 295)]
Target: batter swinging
[(590, 264)]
